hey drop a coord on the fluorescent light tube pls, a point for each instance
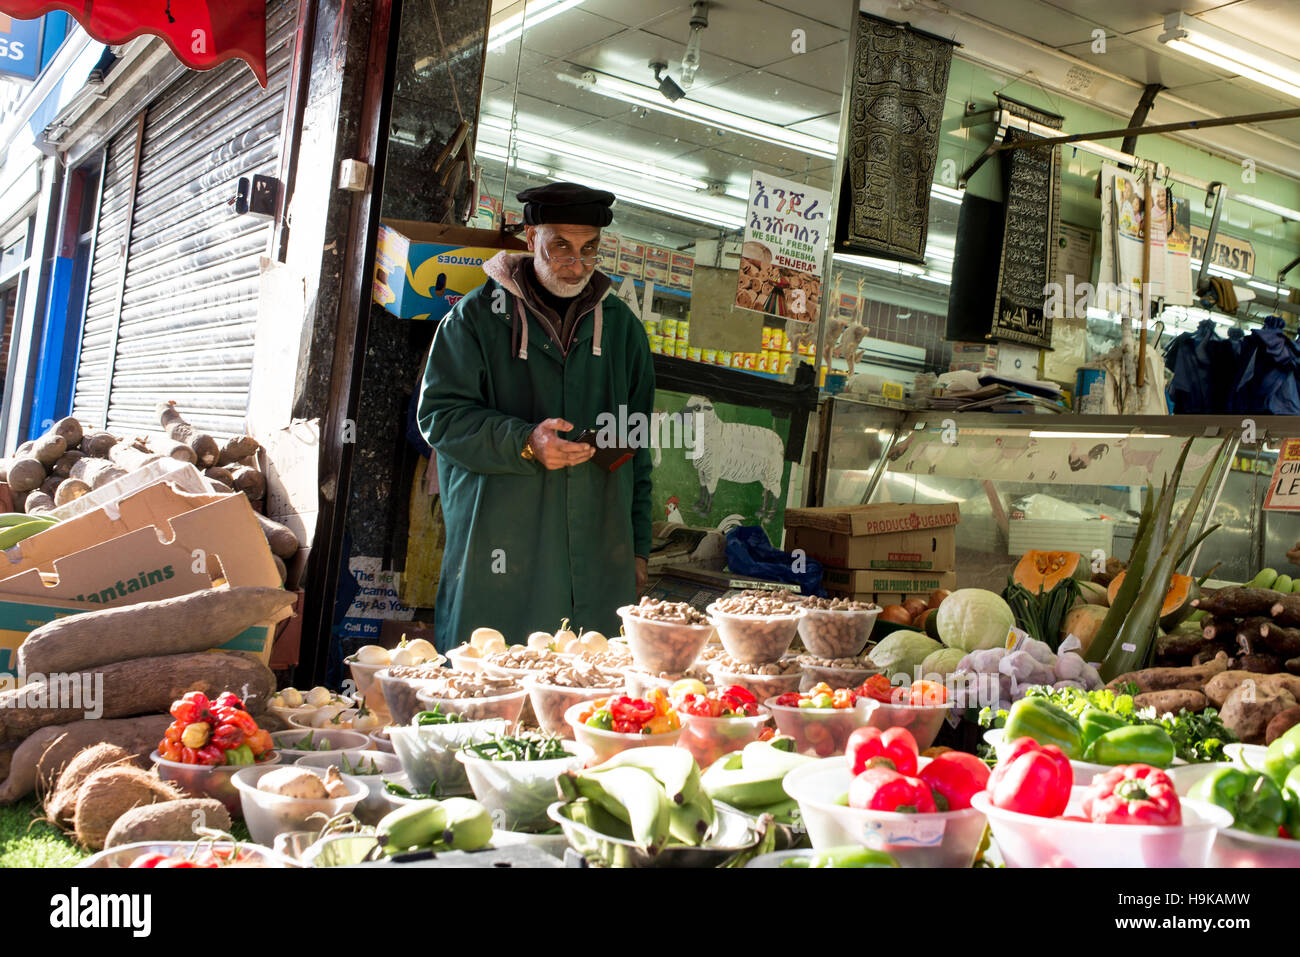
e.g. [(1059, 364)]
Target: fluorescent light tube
[(512, 28), (1235, 54)]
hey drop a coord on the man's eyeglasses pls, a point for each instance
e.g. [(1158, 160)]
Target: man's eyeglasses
[(568, 260)]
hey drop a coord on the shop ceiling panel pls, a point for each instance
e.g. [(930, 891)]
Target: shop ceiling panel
[(1126, 16), (1270, 23), (823, 69), (633, 13), (504, 62), (572, 30), (1030, 18), (631, 136), (1150, 63), (1228, 97), (552, 107), (742, 155), (630, 54), (772, 98), (833, 13), (747, 33)]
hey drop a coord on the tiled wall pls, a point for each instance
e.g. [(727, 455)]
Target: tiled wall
[(923, 329)]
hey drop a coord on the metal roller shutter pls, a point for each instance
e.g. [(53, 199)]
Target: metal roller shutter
[(189, 300)]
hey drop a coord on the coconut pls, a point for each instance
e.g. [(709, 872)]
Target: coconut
[(61, 802), (109, 793)]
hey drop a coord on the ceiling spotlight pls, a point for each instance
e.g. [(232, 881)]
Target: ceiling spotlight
[(691, 58), (670, 90)]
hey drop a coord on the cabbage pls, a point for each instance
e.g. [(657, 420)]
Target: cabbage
[(973, 619), (942, 662), (903, 651)]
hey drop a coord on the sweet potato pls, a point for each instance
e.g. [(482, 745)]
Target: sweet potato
[(41, 757), (140, 686), (168, 821), (108, 794), (282, 540), (1222, 685), (1172, 702), (205, 446), (1281, 723), (1248, 710), (1191, 678), (209, 617)]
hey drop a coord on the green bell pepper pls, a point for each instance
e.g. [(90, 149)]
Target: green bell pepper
[(1136, 744), (1291, 795), (1094, 722), (240, 755), (1046, 723), (851, 855), (1283, 755), (1255, 801)]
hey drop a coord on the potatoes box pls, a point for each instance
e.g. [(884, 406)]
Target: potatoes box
[(156, 543), (423, 269)]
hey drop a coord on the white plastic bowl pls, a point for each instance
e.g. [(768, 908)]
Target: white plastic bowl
[(517, 793), (374, 806), (833, 633), (350, 742), (253, 855), (602, 745), (1028, 841), (1084, 771), (1247, 756), (761, 687), (1234, 848), (399, 693), (710, 738), (923, 721), (550, 702), (755, 639), (363, 676), (822, 732), (463, 662), (428, 752), (945, 839), (380, 741), (659, 646), (209, 780), (507, 706), (270, 814), (1186, 776)]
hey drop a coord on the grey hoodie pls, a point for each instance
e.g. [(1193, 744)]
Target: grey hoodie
[(514, 272)]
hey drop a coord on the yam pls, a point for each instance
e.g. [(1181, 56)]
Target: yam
[(69, 427), (1248, 710), (140, 686), (107, 476), (70, 490), (38, 502), (1238, 602), (280, 567), (42, 756), (205, 446), (194, 622), (249, 481), (25, 450), (177, 450), (131, 457), (108, 794), (51, 485), (61, 801), (221, 487), (282, 540), (25, 474), (293, 782), (1172, 679), (1172, 702), (219, 474), (49, 448), (1260, 664), (240, 447), (63, 467), (1281, 723), (1279, 640), (97, 444), (168, 821)]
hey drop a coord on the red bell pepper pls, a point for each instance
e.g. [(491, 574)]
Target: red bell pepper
[(880, 789), (955, 776), (1032, 779), (1133, 794), (896, 744)]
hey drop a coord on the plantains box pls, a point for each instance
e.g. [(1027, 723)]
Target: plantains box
[(884, 584), (156, 543), (889, 536)]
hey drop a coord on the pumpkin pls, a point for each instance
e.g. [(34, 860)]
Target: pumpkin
[(1083, 622), (1042, 571), (1178, 599)]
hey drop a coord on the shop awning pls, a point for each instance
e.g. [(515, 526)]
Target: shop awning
[(202, 33)]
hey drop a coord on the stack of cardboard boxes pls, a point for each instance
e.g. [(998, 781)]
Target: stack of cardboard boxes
[(878, 553)]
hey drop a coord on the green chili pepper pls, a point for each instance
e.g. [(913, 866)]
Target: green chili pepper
[(437, 717), (1139, 744)]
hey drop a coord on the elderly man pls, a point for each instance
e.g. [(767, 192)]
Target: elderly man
[(536, 531)]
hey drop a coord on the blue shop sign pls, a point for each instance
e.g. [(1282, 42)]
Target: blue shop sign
[(20, 47)]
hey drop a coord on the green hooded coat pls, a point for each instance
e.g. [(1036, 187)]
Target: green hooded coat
[(529, 546)]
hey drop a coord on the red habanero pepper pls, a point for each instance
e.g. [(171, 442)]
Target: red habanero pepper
[(896, 744), (210, 754), (242, 720), (877, 688), (788, 700), (880, 789), (229, 700), (1032, 779), (955, 775), (227, 736), (1133, 794), (191, 707)]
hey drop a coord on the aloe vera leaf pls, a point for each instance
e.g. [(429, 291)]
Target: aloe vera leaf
[(1128, 589), (1187, 552)]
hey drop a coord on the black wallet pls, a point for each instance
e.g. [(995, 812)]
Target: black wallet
[(607, 458)]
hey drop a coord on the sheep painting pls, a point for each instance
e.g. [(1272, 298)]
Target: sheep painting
[(734, 452)]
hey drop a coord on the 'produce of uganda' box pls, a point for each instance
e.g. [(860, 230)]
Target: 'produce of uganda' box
[(423, 269), (901, 537), (156, 543), (877, 585)]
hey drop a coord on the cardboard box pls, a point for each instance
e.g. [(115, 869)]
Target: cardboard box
[(631, 259), (608, 254), (423, 269), (156, 543), (681, 271), (901, 537), (856, 581), (657, 263)]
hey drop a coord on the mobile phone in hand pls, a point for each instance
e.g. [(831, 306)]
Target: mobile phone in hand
[(609, 459)]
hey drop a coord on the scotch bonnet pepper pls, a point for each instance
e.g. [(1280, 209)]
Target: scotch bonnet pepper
[(1046, 723), (1283, 755), (1133, 794)]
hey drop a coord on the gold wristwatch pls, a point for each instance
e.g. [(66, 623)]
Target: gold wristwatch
[(528, 452)]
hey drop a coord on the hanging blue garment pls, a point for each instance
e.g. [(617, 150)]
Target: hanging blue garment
[(1267, 383), (1190, 360)]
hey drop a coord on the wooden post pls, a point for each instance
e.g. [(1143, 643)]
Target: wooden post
[(1146, 278)]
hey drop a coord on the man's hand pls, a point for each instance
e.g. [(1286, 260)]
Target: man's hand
[(554, 452), (1293, 555), (642, 574)]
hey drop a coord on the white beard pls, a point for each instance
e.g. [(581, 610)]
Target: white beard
[(557, 287)]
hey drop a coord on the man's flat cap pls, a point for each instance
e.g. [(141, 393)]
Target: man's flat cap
[(568, 204)]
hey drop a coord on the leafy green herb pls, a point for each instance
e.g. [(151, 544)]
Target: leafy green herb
[(1041, 614), (360, 768)]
